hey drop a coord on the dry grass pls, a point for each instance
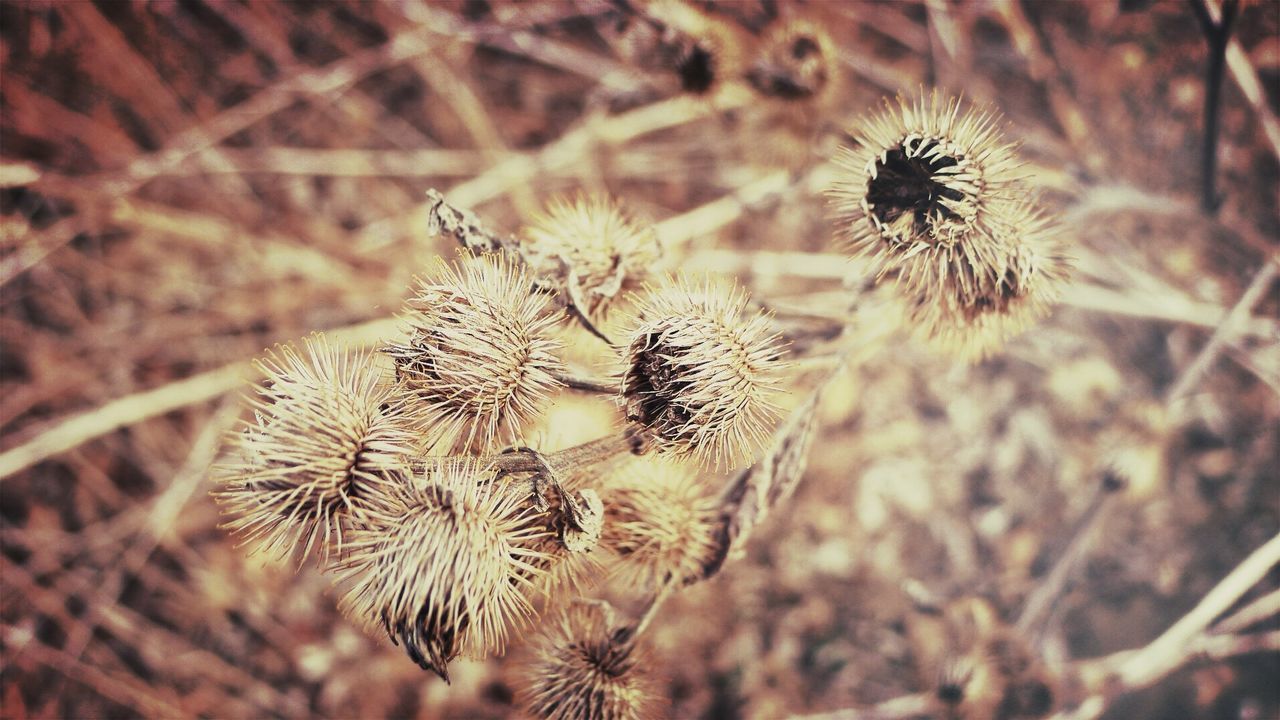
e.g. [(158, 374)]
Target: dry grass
[(185, 184)]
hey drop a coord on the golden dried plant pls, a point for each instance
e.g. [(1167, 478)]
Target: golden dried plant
[(604, 252), (568, 562), (699, 376), (659, 522), (584, 669), (479, 359), (448, 566), (1007, 298), (796, 62), (924, 191), (327, 439), (709, 50), (978, 666)]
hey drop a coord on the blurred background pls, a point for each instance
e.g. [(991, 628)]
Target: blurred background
[(184, 184)]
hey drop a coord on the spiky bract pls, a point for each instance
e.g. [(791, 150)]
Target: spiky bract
[(448, 568), (602, 249), (327, 439), (1019, 291), (585, 670), (479, 358), (924, 190), (659, 522), (699, 376)]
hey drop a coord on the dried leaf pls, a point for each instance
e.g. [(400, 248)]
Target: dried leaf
[(464, 226), (585, 514), (756, 490)]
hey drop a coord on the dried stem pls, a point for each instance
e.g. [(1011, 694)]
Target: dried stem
[(1218, 34), (589, 385), (1233, 319), (1039, 607), (1162, 655), (1262, 608)]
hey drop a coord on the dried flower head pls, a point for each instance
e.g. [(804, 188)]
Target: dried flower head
[(925, 190), (796, 62), (699, 376), (448, 567), (479, 358), (583, 669), (602, 250), (708, 48), (567, 559), (1003, 299), (328, 437), (659, 522)]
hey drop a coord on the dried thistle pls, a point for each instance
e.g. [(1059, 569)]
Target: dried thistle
[(796, 62), (602, 249), (479, 357), (979, 666), (1007, 298), (659, 522), (327, 439), (709, 48), (568, 562), (447, 568), (699, 377), (924, 192), (583, 669)]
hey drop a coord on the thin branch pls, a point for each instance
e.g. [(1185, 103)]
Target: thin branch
[(1246, 78), (1040, 604), (899, 708), (1218, 34), (590, 385), (71, 432), (1262, 608), (1209, 353), (1159, 657)]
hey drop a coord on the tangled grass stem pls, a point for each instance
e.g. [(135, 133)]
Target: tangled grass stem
[(528, 460)]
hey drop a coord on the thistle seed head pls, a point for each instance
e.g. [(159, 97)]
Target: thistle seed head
[(566, 558), (585, 670), (603, 250), (328, 439), (448, 567), (659, 522), (923, 190), (797, 63), (479, 359), (974, 319), (699, 377)]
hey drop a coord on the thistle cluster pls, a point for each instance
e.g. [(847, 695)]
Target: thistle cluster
[(933, 198), (410, 476)]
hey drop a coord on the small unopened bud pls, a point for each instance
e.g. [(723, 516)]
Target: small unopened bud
[(1029, 267), (595, 247), (797, 62)]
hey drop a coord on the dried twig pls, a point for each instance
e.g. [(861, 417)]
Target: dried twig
[(1218, 33), (1257, 289)]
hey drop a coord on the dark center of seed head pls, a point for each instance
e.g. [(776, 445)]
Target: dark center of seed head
[(697, 71), (652, 387), (906, 184)]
